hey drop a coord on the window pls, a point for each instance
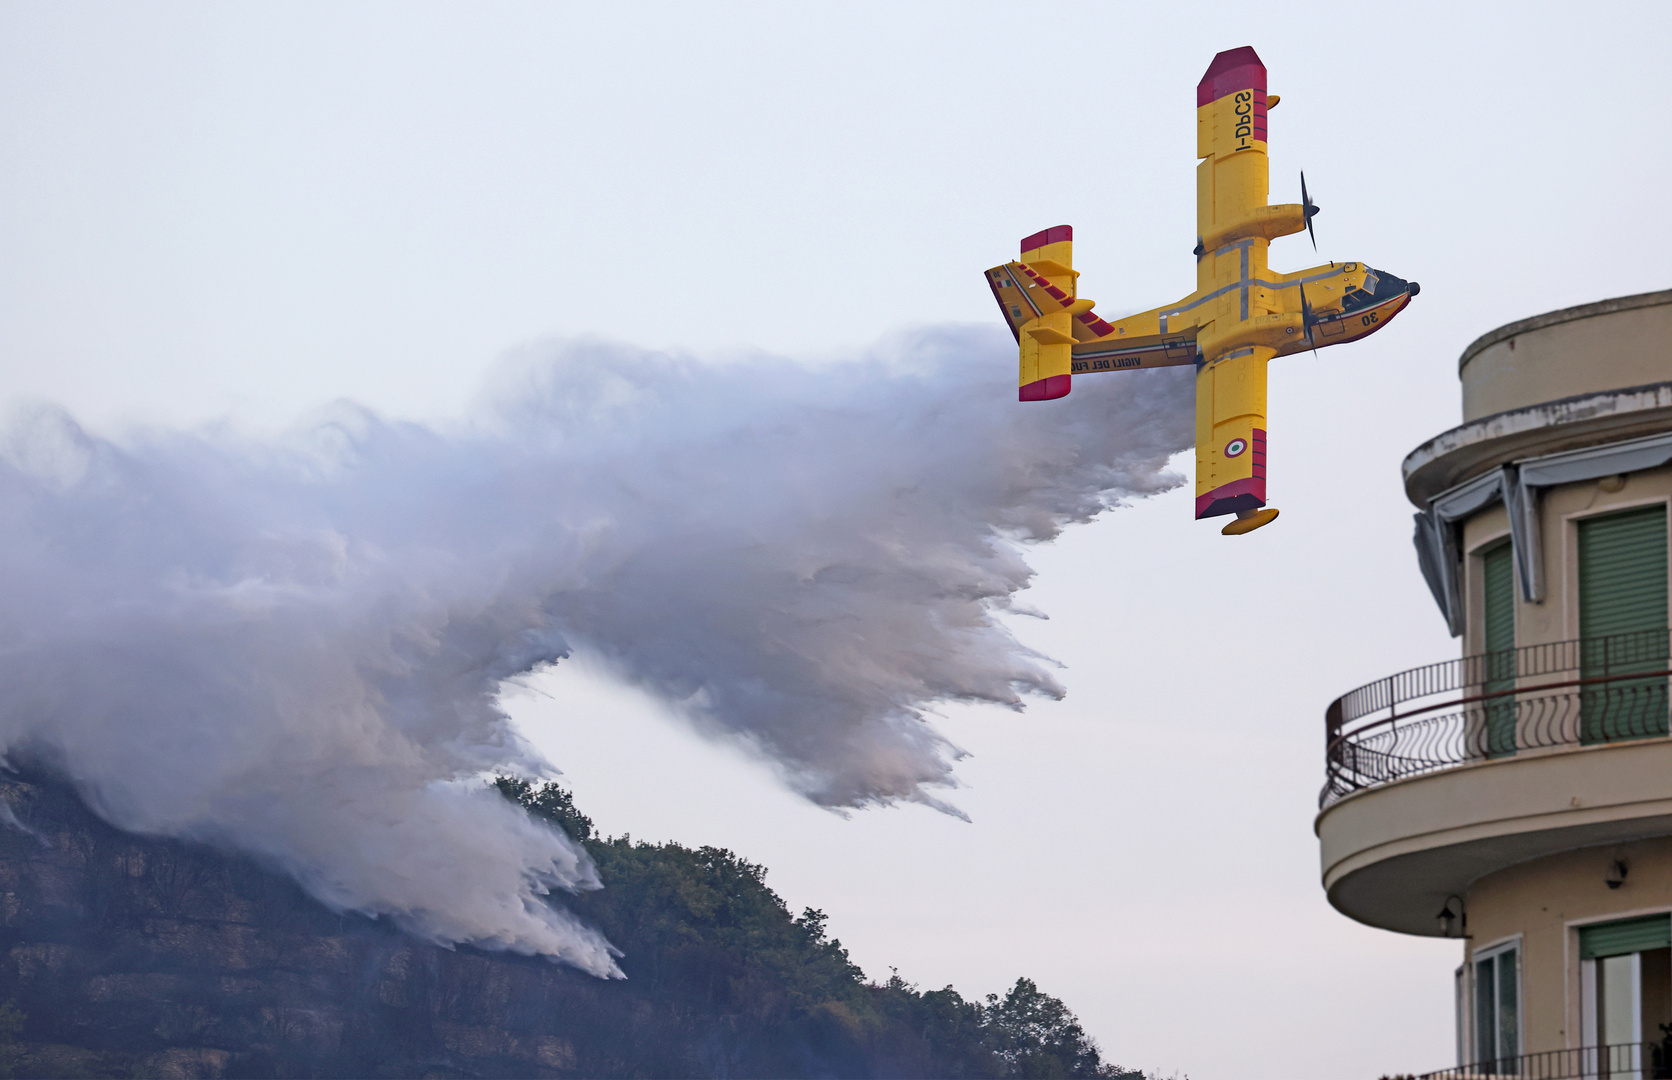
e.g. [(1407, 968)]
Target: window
[(1498, 611), (1498, 1010), (1622, 617), (1626, 993)]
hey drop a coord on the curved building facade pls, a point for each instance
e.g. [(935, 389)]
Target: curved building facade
[(1519, 797)]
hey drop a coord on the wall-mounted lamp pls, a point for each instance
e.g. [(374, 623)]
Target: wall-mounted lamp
[(1616, 873), (1451, 916)]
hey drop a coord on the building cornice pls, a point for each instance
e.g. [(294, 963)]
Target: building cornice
[(1454, 456), (1556, 318)]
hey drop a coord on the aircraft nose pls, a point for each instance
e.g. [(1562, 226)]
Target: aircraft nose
[(1415, 288)]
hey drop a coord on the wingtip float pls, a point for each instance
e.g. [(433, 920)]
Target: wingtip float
[(1241, 315)]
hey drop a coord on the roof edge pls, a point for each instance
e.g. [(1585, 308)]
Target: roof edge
[(1556, 318), (1589, 417)]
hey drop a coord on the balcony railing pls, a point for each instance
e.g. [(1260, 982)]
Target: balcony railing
[(1584, 692), (1620, 1061)]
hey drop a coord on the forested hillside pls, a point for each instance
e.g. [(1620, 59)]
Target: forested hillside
[(724, 981), (129, 956)]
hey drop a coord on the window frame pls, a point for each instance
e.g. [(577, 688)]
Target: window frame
[(1474, 588), (1477, 956), (1580, 990), (1461, 1009)]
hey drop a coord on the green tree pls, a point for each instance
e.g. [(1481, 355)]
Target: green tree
[(549, 801), (723, 980), (1038, 1038)]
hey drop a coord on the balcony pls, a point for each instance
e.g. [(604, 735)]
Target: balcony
[(1565, 694), (1638, 1061), (1438, 776)]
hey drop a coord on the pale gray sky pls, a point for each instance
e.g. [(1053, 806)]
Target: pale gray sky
[(214, 212)]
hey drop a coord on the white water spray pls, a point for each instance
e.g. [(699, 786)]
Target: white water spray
[(294, 648)]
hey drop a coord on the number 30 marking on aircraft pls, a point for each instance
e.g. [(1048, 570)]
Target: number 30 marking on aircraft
[(1369, 320)]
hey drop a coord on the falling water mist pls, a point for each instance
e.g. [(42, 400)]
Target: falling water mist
[(294, 647)]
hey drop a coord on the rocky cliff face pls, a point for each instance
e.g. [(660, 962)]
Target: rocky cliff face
[(130, 956)]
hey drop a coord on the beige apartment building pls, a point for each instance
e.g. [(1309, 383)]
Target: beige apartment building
[(1519, 798)]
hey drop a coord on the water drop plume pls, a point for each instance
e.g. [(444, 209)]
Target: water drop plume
[(294, 647)]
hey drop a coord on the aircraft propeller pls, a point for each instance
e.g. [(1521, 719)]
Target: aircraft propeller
[(1309, 208), (1306, 320)]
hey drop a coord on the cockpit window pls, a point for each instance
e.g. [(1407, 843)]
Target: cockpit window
[(1379, 287)]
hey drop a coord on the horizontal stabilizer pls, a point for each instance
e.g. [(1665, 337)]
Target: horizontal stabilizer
[(1044, 279)]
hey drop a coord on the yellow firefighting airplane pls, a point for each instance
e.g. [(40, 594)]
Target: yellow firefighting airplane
[(1240, 316)]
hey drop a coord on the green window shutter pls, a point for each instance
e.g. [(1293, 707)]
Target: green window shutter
[(1622, 621), (1498, 592), (1625, 936), (1499, 571), (1622, 572)]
